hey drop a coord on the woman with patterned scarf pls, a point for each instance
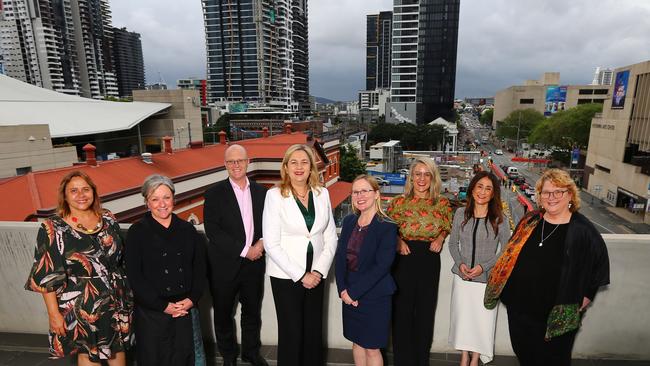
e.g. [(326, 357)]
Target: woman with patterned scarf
[(549, 273)]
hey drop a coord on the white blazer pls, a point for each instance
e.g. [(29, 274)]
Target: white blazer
[(286, 236)]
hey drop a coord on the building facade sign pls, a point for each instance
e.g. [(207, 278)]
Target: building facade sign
[(620, 89)]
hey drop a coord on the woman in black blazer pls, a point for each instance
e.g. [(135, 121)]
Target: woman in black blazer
[(364, 256)]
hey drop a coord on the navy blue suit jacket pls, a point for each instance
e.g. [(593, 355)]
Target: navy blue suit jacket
[(372, 278)]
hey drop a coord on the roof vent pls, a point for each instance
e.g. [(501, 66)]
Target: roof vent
[(147, 158)]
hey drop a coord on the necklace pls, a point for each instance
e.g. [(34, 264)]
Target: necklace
[(541, 242), (85, 229), (301, 196)]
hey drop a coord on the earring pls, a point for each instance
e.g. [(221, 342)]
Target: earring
[(570, 204)]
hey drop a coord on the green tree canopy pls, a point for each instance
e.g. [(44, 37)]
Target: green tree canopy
[(351, 165), (381, 132), (412, 137), (567, 128), (421, 137), (486, 116), (210, 133), (524, 120)]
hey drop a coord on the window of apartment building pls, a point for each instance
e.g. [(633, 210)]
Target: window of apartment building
[(526, 101), (600, 91), (602, 168), (584, 101), (585, 91), (24, 170)]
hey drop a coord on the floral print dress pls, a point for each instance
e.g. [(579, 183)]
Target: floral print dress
[(86, 271)]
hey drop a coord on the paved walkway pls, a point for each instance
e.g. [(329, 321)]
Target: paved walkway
[(31, 350)]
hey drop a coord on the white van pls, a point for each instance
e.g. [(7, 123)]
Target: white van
[(512, 172)]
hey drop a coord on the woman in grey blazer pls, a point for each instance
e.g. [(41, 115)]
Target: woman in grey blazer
[(478, 235)]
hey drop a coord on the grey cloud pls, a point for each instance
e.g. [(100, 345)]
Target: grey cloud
[(501, 42)]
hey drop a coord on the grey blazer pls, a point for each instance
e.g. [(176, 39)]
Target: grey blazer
[(485, 250)]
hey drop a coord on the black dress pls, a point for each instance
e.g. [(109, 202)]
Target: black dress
[(164, 265), (529, 296)]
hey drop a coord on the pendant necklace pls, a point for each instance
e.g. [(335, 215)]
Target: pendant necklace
[(301, 196), (541, 242), (85, 229)]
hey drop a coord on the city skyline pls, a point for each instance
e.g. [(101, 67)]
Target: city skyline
[(571, 38)]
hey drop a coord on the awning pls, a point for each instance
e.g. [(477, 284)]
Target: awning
[(339, 192)]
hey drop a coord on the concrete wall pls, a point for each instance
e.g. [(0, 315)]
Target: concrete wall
[(186, 107), (19, 150), (616, 326)]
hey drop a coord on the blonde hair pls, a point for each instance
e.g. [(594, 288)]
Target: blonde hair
[(373, 183), (434, 188), (561, 179), (285, 181)]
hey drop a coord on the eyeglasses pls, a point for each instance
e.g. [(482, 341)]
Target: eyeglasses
[(420, 175), (362, 192), (555, 194), (236, 162)]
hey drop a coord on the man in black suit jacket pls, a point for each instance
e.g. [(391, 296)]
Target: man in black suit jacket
[(232, 215)]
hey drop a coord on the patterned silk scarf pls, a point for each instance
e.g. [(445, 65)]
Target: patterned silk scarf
[(563, 317), (506, 262)]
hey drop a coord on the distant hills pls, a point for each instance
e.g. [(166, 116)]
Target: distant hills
[(322, 100)]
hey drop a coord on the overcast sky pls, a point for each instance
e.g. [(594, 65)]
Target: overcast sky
[(501, 42)]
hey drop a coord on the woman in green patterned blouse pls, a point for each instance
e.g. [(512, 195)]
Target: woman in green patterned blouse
[(424, 220)]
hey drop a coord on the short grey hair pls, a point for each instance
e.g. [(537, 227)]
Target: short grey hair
[(152, 182)]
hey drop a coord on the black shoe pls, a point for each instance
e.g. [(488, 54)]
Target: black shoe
[(229, 362), (255, 360)]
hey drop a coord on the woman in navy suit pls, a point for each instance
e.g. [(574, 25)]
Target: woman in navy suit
[(364, 257)]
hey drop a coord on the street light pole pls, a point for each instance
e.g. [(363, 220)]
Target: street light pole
[(518, 128)]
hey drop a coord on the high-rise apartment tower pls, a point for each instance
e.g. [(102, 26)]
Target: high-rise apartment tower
[(129, 63), (257, 52), (63, 45), (378, 49), (425, 41)]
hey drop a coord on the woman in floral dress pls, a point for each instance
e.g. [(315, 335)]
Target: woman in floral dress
[(78, 268), (424, 220)]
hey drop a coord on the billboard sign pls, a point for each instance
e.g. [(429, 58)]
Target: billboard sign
[(620, 89), (555, 99), (575, 156)]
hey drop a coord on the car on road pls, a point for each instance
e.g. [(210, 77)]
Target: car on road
[(498, 152), (512, 172), (404, 171), (519, 181), (530, 192), (382, 181)]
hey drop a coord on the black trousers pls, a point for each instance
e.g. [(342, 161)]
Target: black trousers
[(249, 285), (527, 339), (414, 304), (162, 340), (300, 322)]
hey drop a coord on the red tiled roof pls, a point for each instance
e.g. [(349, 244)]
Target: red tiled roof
[(339, 192), (23, 195)]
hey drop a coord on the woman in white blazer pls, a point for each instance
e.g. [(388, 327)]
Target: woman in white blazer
[(300, 242)]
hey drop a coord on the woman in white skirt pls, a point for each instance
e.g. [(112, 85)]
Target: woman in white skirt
[(479, 233)]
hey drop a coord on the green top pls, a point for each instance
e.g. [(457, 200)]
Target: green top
[(309, 214)]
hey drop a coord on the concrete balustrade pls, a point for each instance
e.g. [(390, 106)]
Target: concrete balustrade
[(616, 326)]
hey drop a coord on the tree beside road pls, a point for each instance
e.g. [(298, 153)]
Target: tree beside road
[(567, 129)]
